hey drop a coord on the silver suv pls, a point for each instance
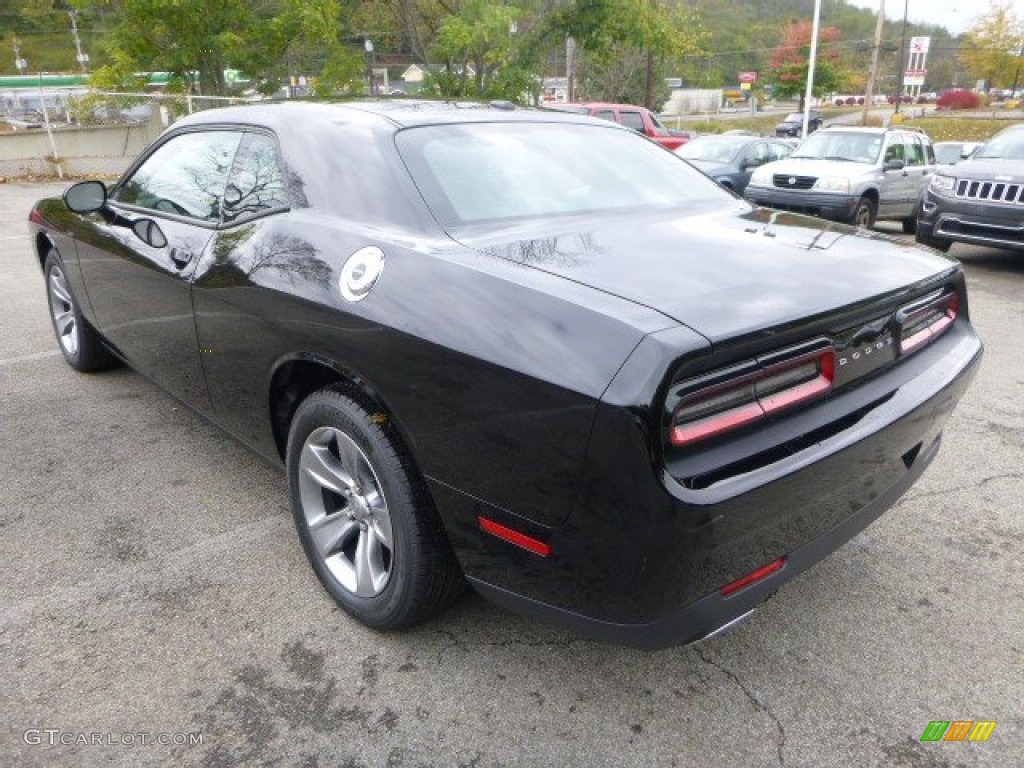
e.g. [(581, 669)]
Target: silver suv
[(856, 175)]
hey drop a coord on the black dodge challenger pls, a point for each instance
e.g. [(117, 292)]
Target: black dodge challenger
[(531, 352)]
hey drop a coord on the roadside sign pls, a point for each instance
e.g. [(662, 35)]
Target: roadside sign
[(748, 77)]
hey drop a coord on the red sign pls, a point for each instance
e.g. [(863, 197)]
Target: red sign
[(748, 77)]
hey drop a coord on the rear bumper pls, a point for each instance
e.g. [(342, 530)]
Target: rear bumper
[(642, 558), (712, 614)]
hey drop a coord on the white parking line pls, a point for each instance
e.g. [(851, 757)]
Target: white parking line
[(29, 358)]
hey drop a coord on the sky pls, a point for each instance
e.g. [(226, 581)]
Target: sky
[(954, 15)]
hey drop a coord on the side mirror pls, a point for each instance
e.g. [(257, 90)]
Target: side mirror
[(894, 165), (149, 232), (86, 196)]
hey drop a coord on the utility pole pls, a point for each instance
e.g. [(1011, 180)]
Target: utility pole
[(19, 63), (869, 96), (903, 59), (82, 58)]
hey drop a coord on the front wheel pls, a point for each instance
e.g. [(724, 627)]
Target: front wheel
[(863, 215), (80, 343), (924, 237), (364, 516)]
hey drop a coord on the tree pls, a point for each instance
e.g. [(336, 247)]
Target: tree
[(610, 33), (994, 46), (200, 39), (790, 61), (475, 45)]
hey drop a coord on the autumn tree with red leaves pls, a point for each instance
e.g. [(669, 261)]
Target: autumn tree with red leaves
[(789, 61)]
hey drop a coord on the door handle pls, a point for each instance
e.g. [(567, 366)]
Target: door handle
[(180, 257)]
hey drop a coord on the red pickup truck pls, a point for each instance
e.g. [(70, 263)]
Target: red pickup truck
[(638, 118)]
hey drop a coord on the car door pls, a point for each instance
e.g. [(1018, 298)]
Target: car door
[(894, 188), (918, 170), (141, 292), (248, 263), (753, 156)]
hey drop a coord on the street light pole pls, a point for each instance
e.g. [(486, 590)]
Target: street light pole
[(810, 64)]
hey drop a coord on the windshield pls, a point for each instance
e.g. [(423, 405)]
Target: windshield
[(712, 149), (838, 145), (947, 154), (485, 172), (1008, 145)]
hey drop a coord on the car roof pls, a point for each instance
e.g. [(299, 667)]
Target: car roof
[(399, 113)]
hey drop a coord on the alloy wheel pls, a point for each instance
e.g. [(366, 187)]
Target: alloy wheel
[(344, 508)]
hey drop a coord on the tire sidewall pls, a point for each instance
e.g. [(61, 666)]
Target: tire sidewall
[(52, 260), (333, 409)]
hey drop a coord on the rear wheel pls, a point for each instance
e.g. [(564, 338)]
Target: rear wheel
[(364, 516), (863, 215), (80, 343)]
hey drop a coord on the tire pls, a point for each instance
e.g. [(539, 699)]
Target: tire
[(864, 212), (910, 225), (924, 237), (364, 516), (80, 343)]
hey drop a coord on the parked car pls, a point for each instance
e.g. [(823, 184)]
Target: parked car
[(527, 350), (730, 160), (952, 152), (979, 200), (793, 124), (639, 119), (857, 175)]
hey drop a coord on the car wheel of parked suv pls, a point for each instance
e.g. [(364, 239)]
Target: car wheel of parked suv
[(924, 237), (864, 213)]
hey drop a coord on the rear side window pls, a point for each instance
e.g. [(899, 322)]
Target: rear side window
[(256, 185), (632, 120), (915, 153), (185, 176), (605, 114)]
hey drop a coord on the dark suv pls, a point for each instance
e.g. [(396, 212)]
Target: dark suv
[(979, 200), (793, 125)]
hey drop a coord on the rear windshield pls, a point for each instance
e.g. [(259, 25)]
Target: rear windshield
[(488, 172)]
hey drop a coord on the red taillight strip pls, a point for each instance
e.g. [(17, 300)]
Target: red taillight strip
[(763, 405), (761, 573), (720, 422), (933, 329), (529, 543)]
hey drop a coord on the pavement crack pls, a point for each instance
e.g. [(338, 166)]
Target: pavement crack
[(780, 744)]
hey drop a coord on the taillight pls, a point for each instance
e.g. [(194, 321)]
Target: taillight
[(921, 323), (760, 389)]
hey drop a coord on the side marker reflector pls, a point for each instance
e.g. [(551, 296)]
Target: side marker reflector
[(754, 576), (528, 543)]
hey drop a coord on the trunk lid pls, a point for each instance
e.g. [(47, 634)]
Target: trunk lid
[(722, 273)]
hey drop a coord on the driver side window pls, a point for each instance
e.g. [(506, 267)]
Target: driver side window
[(185, 176)]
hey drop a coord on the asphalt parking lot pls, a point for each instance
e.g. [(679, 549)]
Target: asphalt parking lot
[(157, 608)]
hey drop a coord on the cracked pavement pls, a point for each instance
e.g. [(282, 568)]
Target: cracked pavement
[(152, 583)]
